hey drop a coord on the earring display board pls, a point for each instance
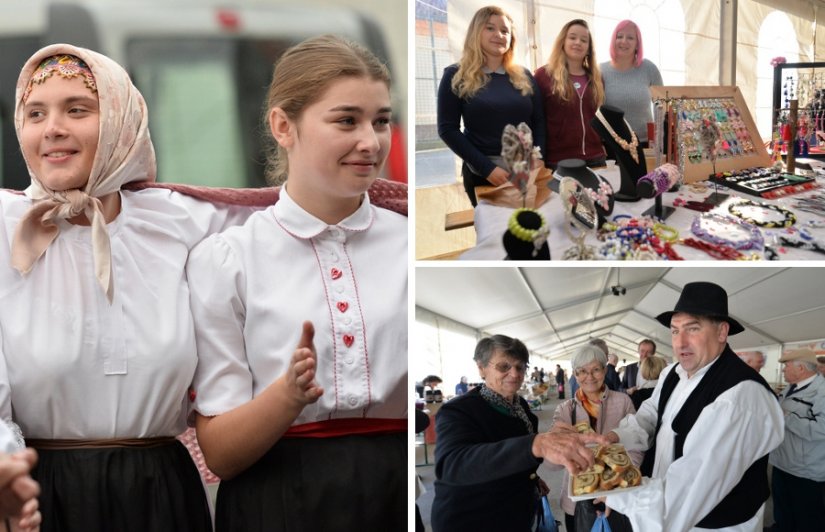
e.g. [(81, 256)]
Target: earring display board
[(701, 117), (805, 83)]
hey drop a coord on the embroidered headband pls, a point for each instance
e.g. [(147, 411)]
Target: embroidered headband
[(66, 66)]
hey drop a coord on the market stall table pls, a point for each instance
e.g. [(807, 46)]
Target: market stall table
[(491, 222)]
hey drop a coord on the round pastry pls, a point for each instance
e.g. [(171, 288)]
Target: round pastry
[(617, 461), (614, 448), (630, 477), (586, 482), (609, 479)]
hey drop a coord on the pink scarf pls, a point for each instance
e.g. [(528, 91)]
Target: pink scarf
[(124, 154)]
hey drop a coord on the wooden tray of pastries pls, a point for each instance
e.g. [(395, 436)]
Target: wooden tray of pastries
[(613, 472)]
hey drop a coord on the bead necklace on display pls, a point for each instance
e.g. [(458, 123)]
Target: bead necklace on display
[(810, 245), (630, 147), (717, 251), (788, 219), (754, 239)]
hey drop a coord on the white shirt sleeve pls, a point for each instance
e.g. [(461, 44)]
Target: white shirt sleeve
[(222, 380), (636, 431), (739, 427)]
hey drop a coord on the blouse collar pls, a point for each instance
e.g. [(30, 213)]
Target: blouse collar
[(302, 224), (499, 70)]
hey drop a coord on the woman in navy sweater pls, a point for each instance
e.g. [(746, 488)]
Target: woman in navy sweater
[(488, 91)]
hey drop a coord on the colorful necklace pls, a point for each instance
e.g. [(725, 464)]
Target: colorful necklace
[(630, 147), (788, 219), (753, 237)]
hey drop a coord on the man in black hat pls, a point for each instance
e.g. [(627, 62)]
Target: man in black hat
[(708, 428)]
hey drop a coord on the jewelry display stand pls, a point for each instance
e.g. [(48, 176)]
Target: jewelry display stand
[(739, 147), (805, 83), (615, 132)]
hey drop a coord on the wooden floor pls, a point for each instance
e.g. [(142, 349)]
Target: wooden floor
[(432, 204)]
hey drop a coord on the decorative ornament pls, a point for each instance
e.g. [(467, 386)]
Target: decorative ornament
[(519, 154)]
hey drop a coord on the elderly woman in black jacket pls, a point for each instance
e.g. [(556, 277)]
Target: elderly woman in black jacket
[(489, 448)]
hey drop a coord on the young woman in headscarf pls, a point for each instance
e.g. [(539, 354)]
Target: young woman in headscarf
[(313, 437), (98, 347)]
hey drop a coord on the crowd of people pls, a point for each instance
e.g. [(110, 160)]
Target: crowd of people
[(486, 90), (702, 429)]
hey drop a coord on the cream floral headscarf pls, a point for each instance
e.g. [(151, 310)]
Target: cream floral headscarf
[(124, 154)]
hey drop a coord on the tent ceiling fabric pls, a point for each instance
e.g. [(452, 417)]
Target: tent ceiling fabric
[(556, 310)]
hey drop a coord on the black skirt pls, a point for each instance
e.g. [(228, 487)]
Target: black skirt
[(123, 489), (348, 483)]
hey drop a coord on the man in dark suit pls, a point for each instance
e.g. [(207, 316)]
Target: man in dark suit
[(631, 377)]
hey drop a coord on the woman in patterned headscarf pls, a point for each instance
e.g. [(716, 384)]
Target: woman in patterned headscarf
[(97, 348)]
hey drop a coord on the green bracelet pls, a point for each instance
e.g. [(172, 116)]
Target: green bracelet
[(527, 235)]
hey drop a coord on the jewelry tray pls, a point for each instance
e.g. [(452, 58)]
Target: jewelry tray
[(765, 182), (728, 100)]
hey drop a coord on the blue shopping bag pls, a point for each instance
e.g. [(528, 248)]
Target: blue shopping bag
[(601, 524), (547, 523)]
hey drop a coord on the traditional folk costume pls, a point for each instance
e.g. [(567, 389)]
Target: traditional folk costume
[(342, 465)]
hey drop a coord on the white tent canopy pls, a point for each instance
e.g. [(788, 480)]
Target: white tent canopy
[(556, 310)]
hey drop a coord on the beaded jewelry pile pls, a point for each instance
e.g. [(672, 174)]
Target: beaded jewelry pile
[(643, 238)]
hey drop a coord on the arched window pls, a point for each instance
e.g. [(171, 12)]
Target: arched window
[(777, 38), (662, 24)]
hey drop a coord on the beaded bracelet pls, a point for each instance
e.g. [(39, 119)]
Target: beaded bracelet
[(658, 180), (537, 236), (754, 240), (788, 220), (666, 232)]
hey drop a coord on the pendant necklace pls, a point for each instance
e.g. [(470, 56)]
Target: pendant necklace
[(630, 147)]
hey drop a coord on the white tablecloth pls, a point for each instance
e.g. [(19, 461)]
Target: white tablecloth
[(491, 222)]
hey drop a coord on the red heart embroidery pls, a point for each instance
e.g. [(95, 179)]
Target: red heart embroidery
[(336, 273), (343, 306), (348, 339)]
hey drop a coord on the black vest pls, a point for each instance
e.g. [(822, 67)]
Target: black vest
[(747, 496)]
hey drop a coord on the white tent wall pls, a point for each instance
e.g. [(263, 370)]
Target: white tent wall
[(443, 347), (684, 38)]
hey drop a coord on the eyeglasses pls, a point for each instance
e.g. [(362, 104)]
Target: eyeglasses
[(505, 367), (581, 372)]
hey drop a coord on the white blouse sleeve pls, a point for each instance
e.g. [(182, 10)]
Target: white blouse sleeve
[(222, 380), (11, 437)]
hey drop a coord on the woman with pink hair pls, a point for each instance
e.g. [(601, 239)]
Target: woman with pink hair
[(628, 76)]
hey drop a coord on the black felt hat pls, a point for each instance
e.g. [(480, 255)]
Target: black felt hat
[(703, 299)]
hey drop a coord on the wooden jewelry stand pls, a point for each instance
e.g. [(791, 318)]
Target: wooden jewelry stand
[(702, 169)]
